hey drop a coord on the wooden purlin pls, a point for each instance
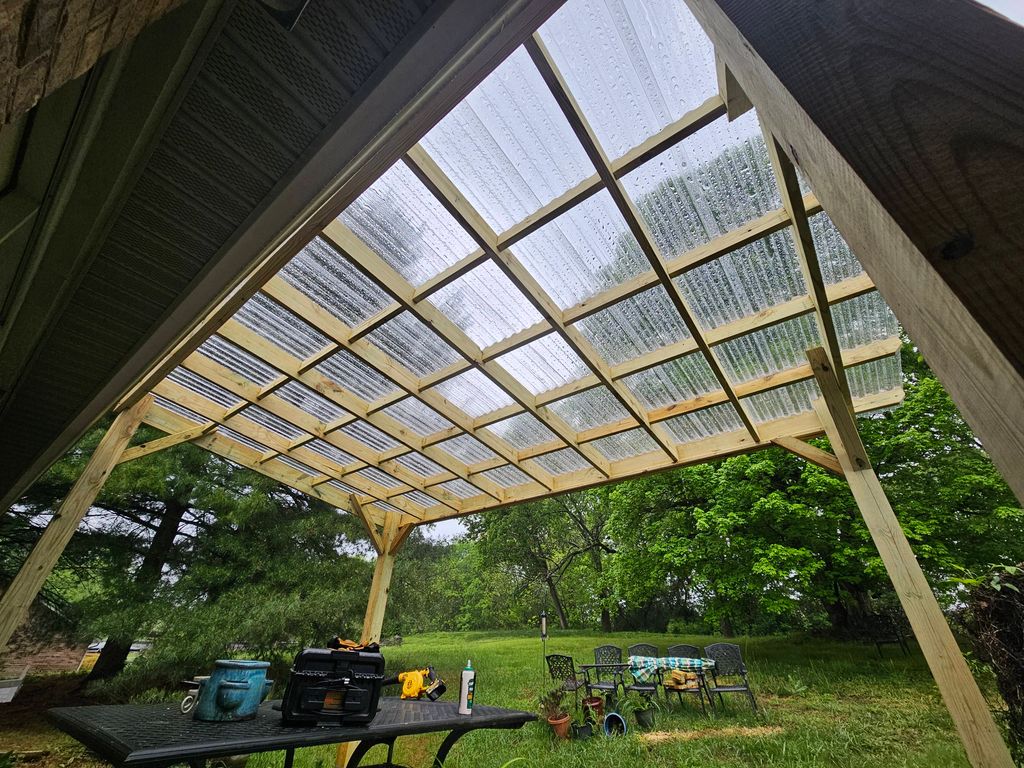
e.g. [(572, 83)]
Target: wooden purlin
[(792, 201), (311, 425), (581, 127), (373, 265), (803, 425), (177, 394), (441, 187), (332, 328)]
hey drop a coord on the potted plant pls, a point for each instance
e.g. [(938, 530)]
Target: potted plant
[(596, 706), (642, 707), (583, 728), (552, 708)]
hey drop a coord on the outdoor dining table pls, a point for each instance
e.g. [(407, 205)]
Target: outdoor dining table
[(158, 735), (645, 667)]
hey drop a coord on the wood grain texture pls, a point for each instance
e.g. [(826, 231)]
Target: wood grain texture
[(967, 706), (47, 550), (46, 43), (907, 120)]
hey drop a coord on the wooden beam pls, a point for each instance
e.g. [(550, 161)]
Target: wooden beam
[(152, 446), (371, 529), (871, 133), (967, 705), (17, 599), (736, 100), (815, 455)]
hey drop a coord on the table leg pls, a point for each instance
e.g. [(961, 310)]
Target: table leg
[(446, 746), (289, 757)]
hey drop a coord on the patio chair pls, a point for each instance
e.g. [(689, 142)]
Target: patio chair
[(563, 670), (700, 689), (605, 680), (881, 629), (728, 663), (645, 689)]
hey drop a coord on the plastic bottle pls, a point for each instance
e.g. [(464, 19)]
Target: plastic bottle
[(468, 683)]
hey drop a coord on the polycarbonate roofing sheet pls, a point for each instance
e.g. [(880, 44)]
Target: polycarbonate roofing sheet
[(507, 158), (713, 182), (634, 67), (744, 282), (507, 146), (635, 326), (399, 219)]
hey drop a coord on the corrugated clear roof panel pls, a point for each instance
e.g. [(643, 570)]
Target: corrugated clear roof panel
[(635, 326), (330, 452), (460, 488), (420, 418), (201, 386), (413, 344), (782, 402), (343, 486), (278, 325), (705, 423), (876, 376), (181, 410), (681, 379), (592, 408), (274, 423), (380, 478), (288, 461), (473, 393), (486, 305), (713, 182), (625, 444), (407, 226), (467, 449), (544, 364), (355, 376), (309, 401), (383, 506), (335, 283), (238, 438), (420, 498), (768, 350), (370, 436), (582, 252), (560, 462), (507, 476), (745, 281), (834, 256), (634, 67), (238, 360), (419, 464), (863, 319), (522, 431), (507, 146)]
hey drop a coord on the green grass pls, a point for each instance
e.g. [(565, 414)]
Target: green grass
[(823, 704)]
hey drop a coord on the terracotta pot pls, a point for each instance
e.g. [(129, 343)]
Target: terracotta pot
[(596, 705), (560, 726)]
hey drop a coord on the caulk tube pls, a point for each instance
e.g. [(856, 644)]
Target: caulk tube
[(466, 686)]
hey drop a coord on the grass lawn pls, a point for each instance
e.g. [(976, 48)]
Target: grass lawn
[(823, 704)]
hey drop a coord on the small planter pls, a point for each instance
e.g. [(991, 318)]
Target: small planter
[(582, 732), (645, 718), (614, 724), (596, 705), (560, 726)]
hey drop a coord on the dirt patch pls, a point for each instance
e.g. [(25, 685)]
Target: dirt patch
[(660, 737)]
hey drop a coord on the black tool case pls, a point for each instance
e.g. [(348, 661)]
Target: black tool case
[(333, 687)]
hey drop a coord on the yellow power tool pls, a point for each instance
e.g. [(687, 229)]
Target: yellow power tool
[(417, 682)]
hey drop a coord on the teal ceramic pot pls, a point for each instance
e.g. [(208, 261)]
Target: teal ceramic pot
[(233, 691)]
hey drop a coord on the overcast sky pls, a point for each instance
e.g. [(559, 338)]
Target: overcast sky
[(446, 529)]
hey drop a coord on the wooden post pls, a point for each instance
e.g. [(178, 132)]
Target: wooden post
[(968, 707), (44, 555), (391, 539)]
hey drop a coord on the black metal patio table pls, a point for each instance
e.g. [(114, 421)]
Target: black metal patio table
[(157, 735)]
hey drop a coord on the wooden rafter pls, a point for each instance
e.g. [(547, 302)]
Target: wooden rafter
[(167, 441), (442, 188), (585, 133)]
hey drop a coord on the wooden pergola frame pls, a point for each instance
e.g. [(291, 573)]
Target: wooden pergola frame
[(391, 499)]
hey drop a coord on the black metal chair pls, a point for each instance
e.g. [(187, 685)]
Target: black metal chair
[(700, 689), (728, 663), (881, 629), (605, 680), (645, 689), (563, 670)]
